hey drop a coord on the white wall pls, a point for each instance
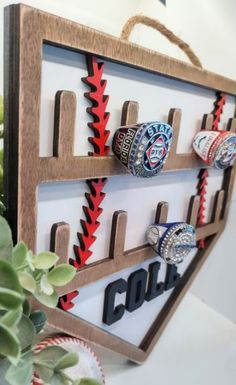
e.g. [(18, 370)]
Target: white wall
[(209, 27)]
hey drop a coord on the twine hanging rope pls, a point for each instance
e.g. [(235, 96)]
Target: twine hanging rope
[(155, 24)]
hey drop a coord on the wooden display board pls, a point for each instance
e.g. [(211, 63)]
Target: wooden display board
[(26, 30)]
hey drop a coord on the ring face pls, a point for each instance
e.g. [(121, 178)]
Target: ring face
[(226, 153), (216, 148), (143, 148), (172, 241)]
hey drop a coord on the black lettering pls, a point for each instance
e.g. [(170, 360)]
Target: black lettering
[(172, 277), (136, 290), (111, 313), (154, 289)]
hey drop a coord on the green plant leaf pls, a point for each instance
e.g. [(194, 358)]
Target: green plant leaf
[(44, 373), (12, 317), (10, 345), (19, 254), (27, 281), (26, 308), (45, 286), (11, 293), (29, 259), (26, 332), (88, 381), (47, 300), (4, 366), (9, 278), (21, 374), (59, 379), (6, 244), (45, 260), (10, 299), (50, 356), (38, 317), (68, 360), (61, 275)]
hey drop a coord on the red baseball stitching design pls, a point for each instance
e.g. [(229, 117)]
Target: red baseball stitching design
[(91, 224), (95, 197), (66, 300), (203, 175), (218, 110), (98, 109)]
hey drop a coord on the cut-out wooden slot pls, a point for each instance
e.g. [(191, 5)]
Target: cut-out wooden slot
[(129, 114), (174, 119), (232, 125), (162, 212), (207, 122), (64, 124), (118, 231), (193, 210), (59, 240), (218, 205)]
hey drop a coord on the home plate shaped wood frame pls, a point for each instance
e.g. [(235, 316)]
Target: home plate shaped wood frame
[(26, 29)]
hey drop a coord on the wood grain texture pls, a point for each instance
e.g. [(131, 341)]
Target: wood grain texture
[(193, 210), (26, 29), (129, 113), (162, 212), (59, 240)]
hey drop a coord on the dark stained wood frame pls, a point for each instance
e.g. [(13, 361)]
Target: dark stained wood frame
[(26, 29)]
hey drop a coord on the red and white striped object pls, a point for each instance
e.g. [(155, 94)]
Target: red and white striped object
[(88, 365)]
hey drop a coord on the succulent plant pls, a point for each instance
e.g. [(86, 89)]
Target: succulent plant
[(23, 274)]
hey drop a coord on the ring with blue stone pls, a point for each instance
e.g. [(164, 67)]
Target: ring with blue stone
[(172, 241), (143, 148)]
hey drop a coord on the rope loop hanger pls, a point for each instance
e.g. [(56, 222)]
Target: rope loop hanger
[(155, 24)]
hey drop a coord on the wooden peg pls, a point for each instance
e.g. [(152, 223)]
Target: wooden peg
[(218, 205), (161, 212), (174, 119), (232, 125), (207, 122), (129, 113), (192, 216), (118, 231), (64, 124), (59, 240)]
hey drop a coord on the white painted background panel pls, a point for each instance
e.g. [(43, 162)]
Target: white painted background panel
[(210, 29), (139, 197), (133, 326)]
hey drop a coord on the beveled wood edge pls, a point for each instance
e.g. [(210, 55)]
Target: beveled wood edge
[(122, 51), (21, 13), (64, 321), (176, 296), (89, 332)]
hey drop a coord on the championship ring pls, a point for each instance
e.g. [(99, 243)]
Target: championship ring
[(172, 241), (216, 148), (143, 148)]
